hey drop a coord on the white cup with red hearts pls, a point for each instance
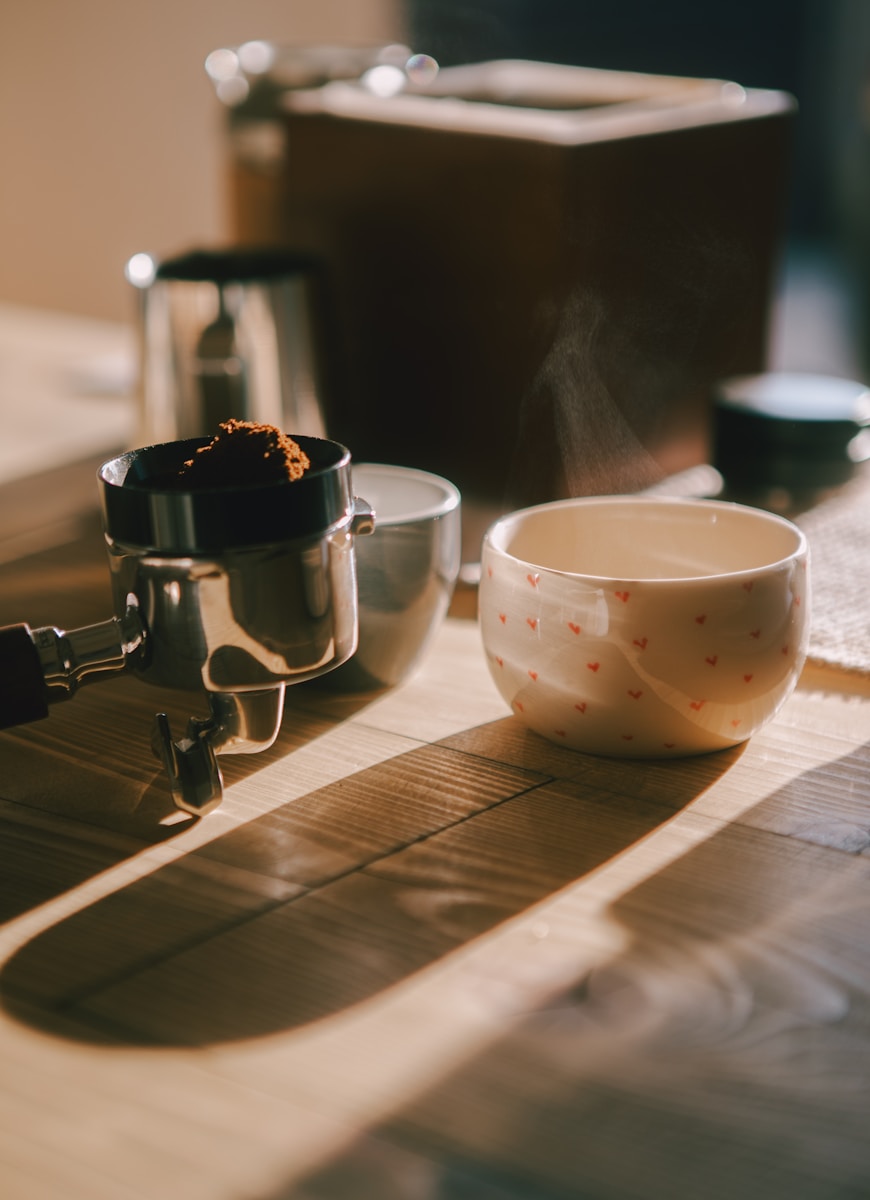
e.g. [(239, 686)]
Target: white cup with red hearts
[(644, 627)]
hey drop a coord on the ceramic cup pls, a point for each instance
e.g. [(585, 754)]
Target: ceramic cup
[(406, 573), (644, 627)]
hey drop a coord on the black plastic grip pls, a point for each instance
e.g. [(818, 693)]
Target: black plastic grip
[(22, 684)]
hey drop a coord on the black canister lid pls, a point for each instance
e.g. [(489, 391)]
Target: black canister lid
[(144, 507), (790, 430), (234, 265)]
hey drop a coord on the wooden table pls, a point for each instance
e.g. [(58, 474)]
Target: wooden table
[(419, 954)]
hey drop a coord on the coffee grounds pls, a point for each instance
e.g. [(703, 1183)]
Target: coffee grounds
[(244, 452)]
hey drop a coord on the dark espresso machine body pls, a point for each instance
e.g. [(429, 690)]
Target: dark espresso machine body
[(536, 273)]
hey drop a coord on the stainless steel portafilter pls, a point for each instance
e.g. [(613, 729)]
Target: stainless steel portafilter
[(232, 590)]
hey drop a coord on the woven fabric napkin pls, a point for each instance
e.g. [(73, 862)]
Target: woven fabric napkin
[(838, 531)]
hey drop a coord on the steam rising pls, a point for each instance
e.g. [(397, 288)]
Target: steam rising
[(632, 349), (598, 450)]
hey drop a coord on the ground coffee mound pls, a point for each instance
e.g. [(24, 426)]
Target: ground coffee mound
[(244, 452)]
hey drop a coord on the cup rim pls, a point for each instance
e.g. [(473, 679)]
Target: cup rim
[(450, 494), (502, 524)]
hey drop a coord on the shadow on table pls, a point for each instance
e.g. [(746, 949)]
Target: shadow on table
[(722, 1053), (343, 892), (81, 791)]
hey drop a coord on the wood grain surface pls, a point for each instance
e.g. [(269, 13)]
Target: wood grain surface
[(421, 954)]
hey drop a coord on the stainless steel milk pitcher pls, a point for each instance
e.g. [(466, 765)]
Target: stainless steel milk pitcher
[(227, 333)]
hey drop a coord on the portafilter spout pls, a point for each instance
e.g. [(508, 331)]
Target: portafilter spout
[(235, 591), (240, 723)]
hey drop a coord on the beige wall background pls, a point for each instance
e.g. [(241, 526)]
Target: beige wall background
[(112, 137)]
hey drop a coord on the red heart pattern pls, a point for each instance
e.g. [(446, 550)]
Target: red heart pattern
[(641, 643)]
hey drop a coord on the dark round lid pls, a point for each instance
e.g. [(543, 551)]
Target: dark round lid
[(235, 265), (790, 429), (144, 507)]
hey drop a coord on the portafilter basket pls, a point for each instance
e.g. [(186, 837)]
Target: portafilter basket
[(233, 590)]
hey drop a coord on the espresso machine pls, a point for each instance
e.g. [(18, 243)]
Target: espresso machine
[(234, 591)]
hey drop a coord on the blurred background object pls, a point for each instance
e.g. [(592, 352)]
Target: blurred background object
[(788, 440), (113, 142), (818, 50), (537, 271), (112, 139)]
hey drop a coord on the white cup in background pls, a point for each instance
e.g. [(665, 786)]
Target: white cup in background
[(406, 572)]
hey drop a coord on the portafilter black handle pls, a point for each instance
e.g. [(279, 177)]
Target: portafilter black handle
[(38, 667), (23, 694)]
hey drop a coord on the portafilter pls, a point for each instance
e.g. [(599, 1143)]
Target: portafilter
[(235, 590)]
